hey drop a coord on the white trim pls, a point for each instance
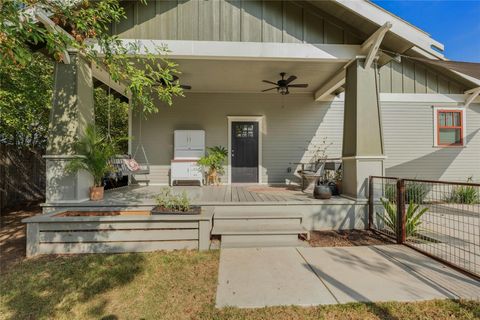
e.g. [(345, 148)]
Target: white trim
[(401, 28), (364, 158), (261, 131), (435, 125), (411, 98), (233, 50)]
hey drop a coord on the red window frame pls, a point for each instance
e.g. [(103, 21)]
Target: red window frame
[(453, 126)]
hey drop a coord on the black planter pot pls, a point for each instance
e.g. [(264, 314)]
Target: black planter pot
[(333, 188), (322, 191)]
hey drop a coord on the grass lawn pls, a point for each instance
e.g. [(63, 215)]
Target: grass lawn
[(175, 285)]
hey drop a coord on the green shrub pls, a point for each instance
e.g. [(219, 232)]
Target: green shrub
[(465, 194), (173, 202), (414, 192), (389, 216)]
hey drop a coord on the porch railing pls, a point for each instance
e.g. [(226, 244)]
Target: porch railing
[(438, 218)]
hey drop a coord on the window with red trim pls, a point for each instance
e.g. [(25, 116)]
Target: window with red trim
[(449, 128)]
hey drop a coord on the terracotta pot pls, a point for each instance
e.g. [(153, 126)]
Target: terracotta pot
[(339, 186), (96, 193)]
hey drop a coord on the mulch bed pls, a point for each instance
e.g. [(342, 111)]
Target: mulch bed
[(347, 238), (102, 213), (12, 234)]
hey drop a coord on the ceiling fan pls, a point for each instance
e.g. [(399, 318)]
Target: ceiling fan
[(283, 84), (174, 79)]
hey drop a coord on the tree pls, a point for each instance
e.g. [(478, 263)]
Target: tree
[(85, 27), (25, 102), (109, 107)]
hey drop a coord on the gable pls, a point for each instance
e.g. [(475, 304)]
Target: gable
[(414, 77), (233, 20)]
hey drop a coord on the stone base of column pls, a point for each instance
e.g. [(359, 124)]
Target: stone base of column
[(62, 186), (356, 171)]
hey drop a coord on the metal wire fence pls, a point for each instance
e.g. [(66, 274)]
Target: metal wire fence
[(438, 218)]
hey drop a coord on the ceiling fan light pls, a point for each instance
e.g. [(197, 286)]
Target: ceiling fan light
[(283, 90)]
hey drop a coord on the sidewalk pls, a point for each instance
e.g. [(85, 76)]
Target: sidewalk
[(258, 277)]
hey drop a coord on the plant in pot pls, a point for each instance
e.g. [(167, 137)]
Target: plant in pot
[(95, 153), (214, 160), (322, 189), (170, 203)]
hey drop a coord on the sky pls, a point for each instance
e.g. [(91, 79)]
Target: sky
[(455, 23)]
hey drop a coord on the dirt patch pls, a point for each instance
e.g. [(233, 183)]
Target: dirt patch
[(102, 213), (347, 238), (12, 234)]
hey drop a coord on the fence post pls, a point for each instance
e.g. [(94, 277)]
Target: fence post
[(370, 203), (401, 219)]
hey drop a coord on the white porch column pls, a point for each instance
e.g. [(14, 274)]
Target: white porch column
[(362, 152), (72, 110)]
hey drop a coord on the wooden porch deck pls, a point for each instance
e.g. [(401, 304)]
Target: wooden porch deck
[(223, 195)]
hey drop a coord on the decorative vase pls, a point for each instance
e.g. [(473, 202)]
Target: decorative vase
[(322, 191), (96, 193)]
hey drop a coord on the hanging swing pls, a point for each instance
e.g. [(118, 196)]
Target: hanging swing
[(126, 165)]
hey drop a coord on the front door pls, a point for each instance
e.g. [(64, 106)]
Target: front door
[(244, 152)]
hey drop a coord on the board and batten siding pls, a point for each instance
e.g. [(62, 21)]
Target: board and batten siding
[(415, 77), (233, 20), (295, 125)]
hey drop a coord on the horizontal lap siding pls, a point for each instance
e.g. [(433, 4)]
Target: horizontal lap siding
[(233, 20), (293, 127), (408, 134), (296, 124)]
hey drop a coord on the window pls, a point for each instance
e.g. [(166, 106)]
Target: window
[(449, 127)]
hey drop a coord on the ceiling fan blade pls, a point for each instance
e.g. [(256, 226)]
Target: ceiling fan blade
[(274, 83), (299, 85), (269, 89), (185, 86), (290, 79)]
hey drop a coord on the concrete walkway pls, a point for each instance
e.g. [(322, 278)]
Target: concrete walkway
[(258, 277)]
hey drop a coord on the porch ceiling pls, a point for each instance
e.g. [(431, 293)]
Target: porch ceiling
[(246, 76)]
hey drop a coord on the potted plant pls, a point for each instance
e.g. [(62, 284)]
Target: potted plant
[(322, 189), (214, 160), (95, 153), (169, 203)]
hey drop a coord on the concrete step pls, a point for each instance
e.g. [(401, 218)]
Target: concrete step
[(251, 222), (259, 238), (264, 244), (225, 213), (258, 229)]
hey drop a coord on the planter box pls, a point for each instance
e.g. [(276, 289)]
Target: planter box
[(161, 210)]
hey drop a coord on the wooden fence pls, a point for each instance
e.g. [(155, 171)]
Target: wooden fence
[(22, 176)]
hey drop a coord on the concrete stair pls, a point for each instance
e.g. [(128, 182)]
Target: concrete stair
[(250, 227)]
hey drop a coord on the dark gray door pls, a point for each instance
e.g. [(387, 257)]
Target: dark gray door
[(244, 152)]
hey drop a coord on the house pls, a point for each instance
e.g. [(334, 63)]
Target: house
[(383, 109)]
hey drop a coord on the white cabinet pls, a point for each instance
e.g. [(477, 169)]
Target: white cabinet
[(185, 170), (189, 144)]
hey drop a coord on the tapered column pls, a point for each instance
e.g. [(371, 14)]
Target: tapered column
[(72, 110), (363, 151)]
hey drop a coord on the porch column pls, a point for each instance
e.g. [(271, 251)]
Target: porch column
[(362, 152), (72, 110)]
